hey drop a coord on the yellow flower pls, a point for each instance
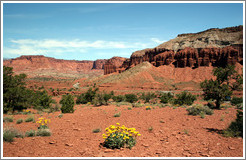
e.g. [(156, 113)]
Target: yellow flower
[(104, 137), (138, 134), (42, 124), (118, 124), (130, 134), (121, 135)]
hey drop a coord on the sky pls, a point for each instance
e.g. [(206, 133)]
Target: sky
[(90, 31)]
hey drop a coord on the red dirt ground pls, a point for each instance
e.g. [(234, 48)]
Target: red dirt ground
[(174, 134)]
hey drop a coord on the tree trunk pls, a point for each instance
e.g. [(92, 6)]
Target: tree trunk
[(218, 103)]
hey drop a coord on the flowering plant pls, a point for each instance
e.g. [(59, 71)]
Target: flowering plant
[(120, 136), (148, 108), (43, 123)]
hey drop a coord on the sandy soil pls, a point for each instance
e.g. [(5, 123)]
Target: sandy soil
[(174, 134)]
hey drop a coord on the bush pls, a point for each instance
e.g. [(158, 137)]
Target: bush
[(119, 98), (99, 100), (199, 110), (30, 133), (166, 97), (8, 119), (184, 98), (10, 133), (19, 121), (43, 132), (131, 98), (29, 119), (236, 100), (236, 127), (137, 105), (147, 97), (120, 136), (97, 130), (117, 114), (88, 96), (67, 103)]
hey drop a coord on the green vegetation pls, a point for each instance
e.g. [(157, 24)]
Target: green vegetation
[(8, 119), (118, 98), (10, 133), (166, 97), (87, 96), (147, 97), (67, 103), (117, 114), (236, 100), (184, 98), (131, 98), (220, 88), (17, 97), (236, 127), (199, 109), (43, 132), (97, 130), (19, 121), (30, 119), (30, 133)]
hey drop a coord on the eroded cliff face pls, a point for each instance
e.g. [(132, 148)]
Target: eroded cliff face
[(41, 65), (215, 47), (114, 65)]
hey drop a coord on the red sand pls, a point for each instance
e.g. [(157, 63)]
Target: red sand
[(72, 134)]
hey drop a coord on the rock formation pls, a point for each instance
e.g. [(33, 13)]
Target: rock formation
[(215, 47), (114, 65)]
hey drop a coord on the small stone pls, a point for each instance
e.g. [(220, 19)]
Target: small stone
[(145, 145), (186, 154), (52, 142), (13, 143), (232, 148), (204, 155), (67, 144), (68, 120), (77, 129), (218, 144), (158, 152)]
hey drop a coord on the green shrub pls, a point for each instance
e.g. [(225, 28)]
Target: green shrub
[(239, 106), (29, 119), (119, 98), (166, 97), (131, 98), (199, 109), (19, 121), (43, 132), (67, 103), (137, 105), (147, 97), (60, 115), (10, 133), (99, 100), (30, 133), (97, 130), (87, 96), (236, 100), (184, 98), (117, 137), (8, 119), (117, 114), (236, 127)]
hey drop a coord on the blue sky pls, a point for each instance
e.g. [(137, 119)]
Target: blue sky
[(86, 31)]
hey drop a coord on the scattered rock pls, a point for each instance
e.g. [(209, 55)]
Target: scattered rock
[(145, 145), (67, 144), (218, 144), (52, 142), (186, 154), (67, 120), (204, 155), (77, 129), (231, 148)]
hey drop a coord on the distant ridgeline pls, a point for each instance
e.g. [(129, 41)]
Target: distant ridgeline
[(216, 47)]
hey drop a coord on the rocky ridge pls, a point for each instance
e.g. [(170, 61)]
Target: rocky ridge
[(215, 47)]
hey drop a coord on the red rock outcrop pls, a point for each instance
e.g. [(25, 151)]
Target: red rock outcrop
[(114, 65), (215, 47), (99, 64)]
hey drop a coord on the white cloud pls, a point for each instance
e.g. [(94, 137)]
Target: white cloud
[(156, 40), (50, 47)]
